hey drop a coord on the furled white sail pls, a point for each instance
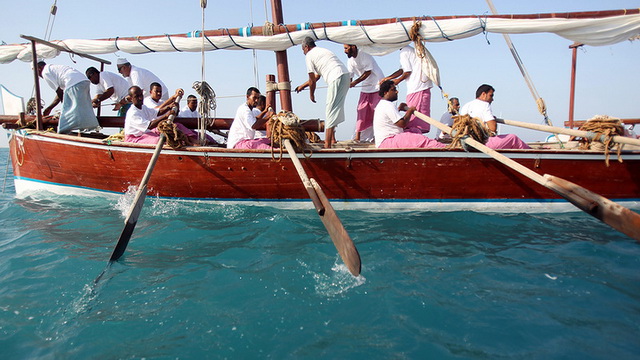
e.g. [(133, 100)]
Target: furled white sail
[(374, 39)]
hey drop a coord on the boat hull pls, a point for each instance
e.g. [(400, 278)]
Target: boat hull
[(369, 179)]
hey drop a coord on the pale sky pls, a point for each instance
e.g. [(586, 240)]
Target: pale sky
[(607, 77)]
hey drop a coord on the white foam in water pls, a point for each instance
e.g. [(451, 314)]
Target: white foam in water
[(126, 199), (338, 281)]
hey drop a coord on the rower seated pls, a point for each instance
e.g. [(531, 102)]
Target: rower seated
[(141, 121), (242, 134), (480, 108), (389, 125)]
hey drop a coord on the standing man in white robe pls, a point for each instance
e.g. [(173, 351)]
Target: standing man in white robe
[(140, 77), (323, 63), (72, 88)]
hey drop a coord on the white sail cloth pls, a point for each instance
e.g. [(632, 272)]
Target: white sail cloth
[(374, 39)]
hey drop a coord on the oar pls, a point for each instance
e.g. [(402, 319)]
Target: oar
[(136, 207), (607, 211), (332, 223), (572, 132)]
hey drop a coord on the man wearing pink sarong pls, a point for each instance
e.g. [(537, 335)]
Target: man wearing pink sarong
[(480, 108), (367, 73), (418, 87), (242, 134), (389, 124), (141, 121)]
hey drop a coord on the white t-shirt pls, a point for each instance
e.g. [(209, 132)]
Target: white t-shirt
[(361, 64), (325, 63), (149, 102), (241, 126), (187, 113), (144, 78), (112, 80), (136, 122), (478, 109), (62, 76), (384, 121), (446, 119), (418, 80), (259, 133)]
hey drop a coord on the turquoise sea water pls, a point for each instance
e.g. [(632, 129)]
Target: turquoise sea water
[(244, 282)]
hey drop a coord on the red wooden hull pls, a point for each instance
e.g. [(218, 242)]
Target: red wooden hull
[(368, 177)]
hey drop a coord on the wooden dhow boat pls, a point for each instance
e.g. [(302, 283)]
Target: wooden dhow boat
[(353, 176)]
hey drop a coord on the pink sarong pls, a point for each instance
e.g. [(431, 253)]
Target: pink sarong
[(366, 107), (262, 143), (508, 141), (422, 102), (410, 140), (153, 136)]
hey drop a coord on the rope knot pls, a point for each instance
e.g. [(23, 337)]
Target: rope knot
[(465, 126)]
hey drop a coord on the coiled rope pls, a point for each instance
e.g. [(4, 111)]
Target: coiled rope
[(465, 126), (286, 125), (175, 138), (207, 103), (604, 129)]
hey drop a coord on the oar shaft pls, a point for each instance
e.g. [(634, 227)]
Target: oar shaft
[(607, 211), (303, 176), (559, 130)]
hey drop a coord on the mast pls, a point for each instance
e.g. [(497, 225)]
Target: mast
[(572, 91), (282, 61)]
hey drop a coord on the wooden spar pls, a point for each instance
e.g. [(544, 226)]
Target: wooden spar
[(36, 82), (572, 91), (191, 123), (283, 29), (572, 132), (61, 48), (271, 94), (282, 61)]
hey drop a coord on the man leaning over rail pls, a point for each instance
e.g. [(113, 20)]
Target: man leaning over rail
[(109, 86), (323, 63), (72, 88)]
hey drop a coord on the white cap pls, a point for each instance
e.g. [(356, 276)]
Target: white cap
[(122, 61)]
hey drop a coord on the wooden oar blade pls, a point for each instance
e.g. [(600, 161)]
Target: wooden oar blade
[(135, 209), (341, 239), (607, 211), (129, 224)]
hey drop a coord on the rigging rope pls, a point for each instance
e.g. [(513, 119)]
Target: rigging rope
[(542, 108)]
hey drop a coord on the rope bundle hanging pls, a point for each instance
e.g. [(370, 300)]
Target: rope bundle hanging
[(286, 125), (414, 35), (604, 129), (175, 138), (207, 103), (464, 126)]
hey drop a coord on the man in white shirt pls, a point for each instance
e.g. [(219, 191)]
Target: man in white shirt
[(447, 118), (323, 63), (367, 73), (480, 108), (389, 124), (418, 86), (110, 86), (141, 121), (154, 100), (191, 111), (72, 88), (140, 77), (242, 134)]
